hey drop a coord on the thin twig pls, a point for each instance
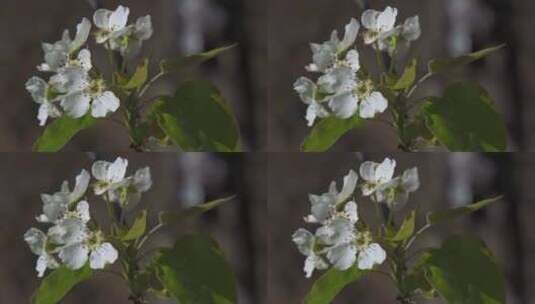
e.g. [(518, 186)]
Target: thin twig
[(149, 234), (150, 83)]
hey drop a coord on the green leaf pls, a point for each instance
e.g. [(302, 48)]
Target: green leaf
[(464, 271), (466, 120), (450, 214), (140, 76), (331, 283), (171, 217), (58, 283), (447, 64), (198, 119), (407, 228), (327, 132), (195, 271), (138, 227), (60, 132), (407, 78), (183, 62)]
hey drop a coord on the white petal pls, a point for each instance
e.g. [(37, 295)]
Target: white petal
[(304, 241), (84, 58), (385, 170), (351, 211), (42, 114), (103, 104), (367, 171), (36, 240), (119, 18), (339, 80), (321, 205), (353, 59), (54, 206), (143, 29), (37, 87), (103, 255), (82, 182), (344, 106), (142, 180), (306, 89), (370, 256), (82, 33), (387, 19), (74, 256), (68, 231), (372, 105), (343, 256), (411, 29), (117, 170), (351, 32), (82, 209), (100, 170), (76, 105), (315, 110), (101, 18), (324, 56), (410, 181), (350, 183), (369, 19), (70, 79)]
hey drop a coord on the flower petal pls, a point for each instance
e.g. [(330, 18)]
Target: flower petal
[(82, 182), (350, 183), (143, 29), (76, 105), (74, 256), (343, 256), (344, 106), (372, 105), (36, 240), (351, 32), (103, 104), (82, 33), (101, 18), (304, 241), (103, 255), (371, 255), (119, 18)]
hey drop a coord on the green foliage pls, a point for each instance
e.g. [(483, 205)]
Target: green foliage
[(138, 227), (448, 64), (464, 271), (466, 120), (331, 283), (60, 132), (197, 118), (167, 218), (451, 214), (327, 132), (183, 62), (140, 76), (407, 228), (407, 78), (58, 283), (195, 271)]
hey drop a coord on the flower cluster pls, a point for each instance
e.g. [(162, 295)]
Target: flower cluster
[(74, 237), (76, 88), (343, 240), (344, 89)]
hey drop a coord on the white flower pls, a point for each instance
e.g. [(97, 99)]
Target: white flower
[(111, 24), (370, 255), (120, 37), (56, 205), (342, 256), (109, 175), (338, 80), (37, 241), (42, 94), (375, 175), (396, 192), (372, 104), (307, 90), (68, 231), (305, 242), (128, 193), (58, 55), (411, 29), (83, 93), (94, 248), (325, 55), (378, 24), (323, 206)]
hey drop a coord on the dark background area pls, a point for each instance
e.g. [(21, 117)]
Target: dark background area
[(179, 180), (180, 27), (449, 28), (447, 180)]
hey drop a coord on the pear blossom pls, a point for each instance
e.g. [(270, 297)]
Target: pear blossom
[(379, 25), (396, 192), (376, 174), (109, 175), (129, 192), (94, 248), (307, 90), (37, 241), (55, 206), (322, 206), (59, 54), (42, 94), (305, 242), (116, 35)]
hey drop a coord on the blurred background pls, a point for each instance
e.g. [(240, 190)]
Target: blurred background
[(449, 28), (181, 27), (447, 180), (179, 181)]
